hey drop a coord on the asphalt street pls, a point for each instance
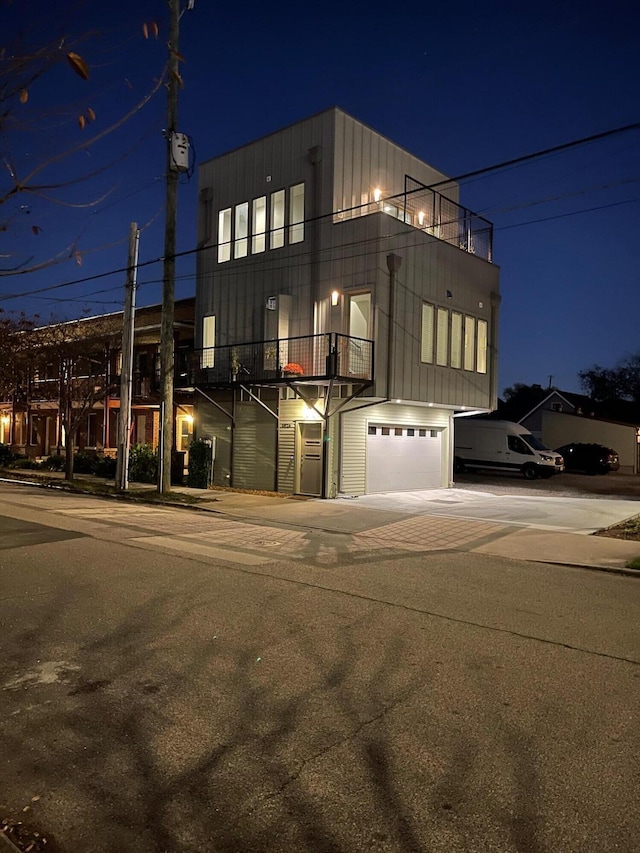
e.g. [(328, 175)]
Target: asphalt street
[(179, 681)]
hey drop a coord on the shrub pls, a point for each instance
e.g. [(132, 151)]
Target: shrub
[(6, 456), (143, 464), (27, 464), (105, 467), (84, 463), (199, 457), (54, 463)]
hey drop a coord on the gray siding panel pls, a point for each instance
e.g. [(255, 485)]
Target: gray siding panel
[(212, 423), (254, 448)]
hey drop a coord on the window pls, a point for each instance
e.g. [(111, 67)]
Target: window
[(411, 431), (481, 355), (372, 430), (517, 445), (442, 344), (296, 214), (456, 340), (426, 348), (277, 220), (240, 246), (208, 340), (469, 342), (259, 225), (224, 235), (422, 433), (398, 430)]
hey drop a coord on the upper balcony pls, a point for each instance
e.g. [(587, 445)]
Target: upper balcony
[(312, 359), (427, 210)]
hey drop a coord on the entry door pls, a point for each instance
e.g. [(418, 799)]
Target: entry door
[(310, 458)]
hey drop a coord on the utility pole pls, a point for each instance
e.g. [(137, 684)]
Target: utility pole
[(169, 270), (126, 371)]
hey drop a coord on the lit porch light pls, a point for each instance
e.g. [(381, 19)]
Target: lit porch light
[(188, 419), (335, 298), (377, 194), (421, 217)]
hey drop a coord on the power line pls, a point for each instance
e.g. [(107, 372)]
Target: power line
[(457, 179)]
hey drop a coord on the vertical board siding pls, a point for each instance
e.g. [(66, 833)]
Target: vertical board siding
[(353, 445), (254, 447), (212, 423)]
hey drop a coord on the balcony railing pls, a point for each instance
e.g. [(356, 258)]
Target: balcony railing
[(309, 358), (427, 210)]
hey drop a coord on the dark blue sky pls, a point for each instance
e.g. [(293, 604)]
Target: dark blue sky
[(462, 86)]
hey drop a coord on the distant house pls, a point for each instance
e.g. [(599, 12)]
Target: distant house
[(562, 417), (346, 307), (30, 413)]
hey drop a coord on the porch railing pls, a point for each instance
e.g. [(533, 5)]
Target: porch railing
[(306, 358)]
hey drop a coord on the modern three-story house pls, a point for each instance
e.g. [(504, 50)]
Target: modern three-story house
[(346, 308)]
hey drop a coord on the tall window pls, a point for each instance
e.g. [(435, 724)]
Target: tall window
[(456, 339), (240, 246), (469, 342), (224, 235), (296, 214), (442, 344), (426, 348), (208, 340), (258, 225), (277, 220), (481, 355)]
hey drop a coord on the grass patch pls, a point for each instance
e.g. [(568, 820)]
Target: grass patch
[(634, 564)]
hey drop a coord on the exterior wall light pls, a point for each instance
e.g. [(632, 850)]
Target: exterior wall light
[(421, 217), (377, 194), (335, 298)]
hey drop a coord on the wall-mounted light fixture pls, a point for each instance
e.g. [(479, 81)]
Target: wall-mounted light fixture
[(421, 217), (377, 194), (335, 298), (449, 294)]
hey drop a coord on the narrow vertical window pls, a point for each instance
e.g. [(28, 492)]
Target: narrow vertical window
[(469, 343), (259, 225), (442, 346), (208, 340), (241, 243), (277, 220), (296, 214), (426, 348), (456, 340), (224, 235), (481, 354)]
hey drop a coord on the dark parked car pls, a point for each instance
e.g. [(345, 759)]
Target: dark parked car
[(590, 458)]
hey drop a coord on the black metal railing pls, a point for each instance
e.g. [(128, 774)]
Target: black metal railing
[(306, 358)]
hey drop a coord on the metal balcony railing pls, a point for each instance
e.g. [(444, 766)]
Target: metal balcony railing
[(308, 358)]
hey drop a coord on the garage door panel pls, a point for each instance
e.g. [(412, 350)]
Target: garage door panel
[(404, 462)]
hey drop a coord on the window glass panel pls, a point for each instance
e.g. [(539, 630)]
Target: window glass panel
[(456, 340), (259, 225), (224, 235), (296, 214), (385, 430), (469, 342), (241, 244), (442, 350), (422, 433), (411, 431), (208, 340), (426, 349), (481, 360), (372, 430), (398, 430), (277, 220)]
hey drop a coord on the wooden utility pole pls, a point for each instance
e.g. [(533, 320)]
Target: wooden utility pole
[(169, 270), (126, 370)]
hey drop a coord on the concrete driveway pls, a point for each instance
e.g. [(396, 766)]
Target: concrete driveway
[(541, 512)]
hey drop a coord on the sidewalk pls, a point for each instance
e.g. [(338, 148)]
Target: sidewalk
[(379, 528)]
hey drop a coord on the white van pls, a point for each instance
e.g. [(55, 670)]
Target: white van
[(502, 446)]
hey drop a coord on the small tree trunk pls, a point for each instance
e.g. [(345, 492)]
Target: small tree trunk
[(68, 462)]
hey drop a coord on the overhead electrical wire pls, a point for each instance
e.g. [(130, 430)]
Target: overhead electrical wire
[(456, 179)]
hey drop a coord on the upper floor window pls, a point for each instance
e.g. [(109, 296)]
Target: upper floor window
[(456, 340), (442, 348), (277, 220), (427, 337), (469, 342), (296, 214), (208, 340), (259, 225), (240, 246), (224, 235), (481, 347)]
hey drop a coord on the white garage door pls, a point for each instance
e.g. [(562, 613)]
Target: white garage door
[(403, 458)]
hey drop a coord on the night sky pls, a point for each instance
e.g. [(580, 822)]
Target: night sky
[(461, 85)]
